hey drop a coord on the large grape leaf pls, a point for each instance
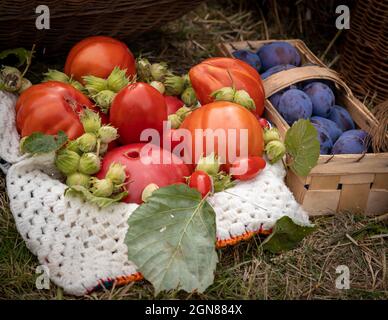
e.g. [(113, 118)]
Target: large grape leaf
[(171, 239), (302, 145), (286, 235)]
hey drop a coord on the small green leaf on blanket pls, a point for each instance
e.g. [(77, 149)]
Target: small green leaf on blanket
[(171, 238), (99, 201), (285, 235), (22, 54), (302, 145), (38, 143)]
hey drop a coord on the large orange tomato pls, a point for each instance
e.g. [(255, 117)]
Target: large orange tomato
[(98, 56), (215, 73), (50, 107), (225, 119)]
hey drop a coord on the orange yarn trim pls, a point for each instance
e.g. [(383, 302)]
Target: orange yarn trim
[(245, 236)]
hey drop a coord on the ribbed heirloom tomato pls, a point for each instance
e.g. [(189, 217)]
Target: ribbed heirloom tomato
[(135, 108), (224, 119), (215, 73), (98, 56), (50, 107)]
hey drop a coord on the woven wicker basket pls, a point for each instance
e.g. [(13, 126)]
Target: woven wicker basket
[(364, 60), (72, 20), (349, 182)]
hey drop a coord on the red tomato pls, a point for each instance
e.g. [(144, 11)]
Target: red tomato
[(264, 123), (173, 104), (247, 168), (144, 167), (224, 117), (50, 107), (201, 181), (135, 108), (215, 73), (98, 56)]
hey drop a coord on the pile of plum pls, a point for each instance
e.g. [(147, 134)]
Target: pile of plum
[(312, 99)]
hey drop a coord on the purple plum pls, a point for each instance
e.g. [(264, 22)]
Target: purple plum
[(276, 53), (294, 104), (351, 142), (325, 141), (249, 57), (322, 98), (342, 118), (276, 69), (330, 126)]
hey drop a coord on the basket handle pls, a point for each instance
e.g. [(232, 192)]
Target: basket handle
[(284, 79)]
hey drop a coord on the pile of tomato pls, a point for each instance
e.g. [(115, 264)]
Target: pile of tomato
[(52, 106)]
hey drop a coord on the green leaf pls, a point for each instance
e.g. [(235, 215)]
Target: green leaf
[(171, 238), (302, 145), (38, 143), (285, 235), (222, 181), (99, 201), (22, 54)]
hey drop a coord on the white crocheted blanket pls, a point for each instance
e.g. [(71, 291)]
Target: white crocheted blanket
[(82, 244)]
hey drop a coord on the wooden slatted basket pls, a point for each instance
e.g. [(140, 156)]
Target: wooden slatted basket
[(338, 183)]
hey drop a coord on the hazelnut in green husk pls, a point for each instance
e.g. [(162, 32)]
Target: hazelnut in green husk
[(158, 71), (77, 85), (104, 99), (116, 173), (175, 121), (107, 134), (275, 150), (158, 86), (208, 164), (188, 97), (143, 68), (72, 145), (101, 187), (91, 121), (78, 179), (55, 75), (148, 190), (174, 85), (89, 163), (87, 142), (11, 79), (94, 84), (117, 79), (67, 161), (25, 85), (224, 94), (242, 97), (271, 135), (183, 112)]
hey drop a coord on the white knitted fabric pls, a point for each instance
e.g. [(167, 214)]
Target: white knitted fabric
[(82, 244)]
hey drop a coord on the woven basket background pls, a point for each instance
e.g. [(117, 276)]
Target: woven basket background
[(72, 20), (364, 60)]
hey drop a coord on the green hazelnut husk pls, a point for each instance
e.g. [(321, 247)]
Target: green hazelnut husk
[(117, 79), (55, 75), (158, 86), (224, 94), (107, 134), (148, 190), (174, 85), (271, 135), (11, 79), (101, 187), (175, 121), (275, 150), (243, 98), (158, 71), (188, 97), (95, 84), (209, 164), (91, 121), (116, 173), (89, 163), (78, 179), (67, 161), (104, 99), (87, 142)]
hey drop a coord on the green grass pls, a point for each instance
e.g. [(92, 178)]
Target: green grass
[(244, 271)]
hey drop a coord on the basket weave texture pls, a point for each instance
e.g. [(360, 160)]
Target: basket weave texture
[(73, 20), (364, 60)]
